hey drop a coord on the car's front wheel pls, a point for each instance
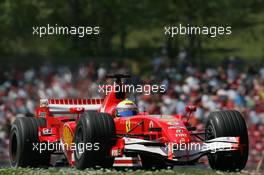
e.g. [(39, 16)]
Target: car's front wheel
[(228, 123), (94, 135)]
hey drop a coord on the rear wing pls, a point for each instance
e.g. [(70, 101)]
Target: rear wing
[(58, 106)]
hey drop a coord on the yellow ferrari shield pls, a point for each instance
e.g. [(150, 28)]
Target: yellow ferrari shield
[(127, 125)]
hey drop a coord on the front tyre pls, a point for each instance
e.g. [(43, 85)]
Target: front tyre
[(97, 130), (228, 123)]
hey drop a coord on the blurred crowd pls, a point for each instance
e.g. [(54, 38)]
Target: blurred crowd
[(223, 87)]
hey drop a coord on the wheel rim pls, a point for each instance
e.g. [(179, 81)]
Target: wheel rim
[(79, 141), (13, 146), (210, 134)]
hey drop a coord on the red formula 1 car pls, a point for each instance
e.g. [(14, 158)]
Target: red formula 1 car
[(90, 133)]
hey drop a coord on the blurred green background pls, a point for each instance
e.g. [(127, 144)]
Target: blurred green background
[(132, 29)]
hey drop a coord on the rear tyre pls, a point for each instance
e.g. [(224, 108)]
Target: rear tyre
[(228, 123), (23, 137), (96, 130)]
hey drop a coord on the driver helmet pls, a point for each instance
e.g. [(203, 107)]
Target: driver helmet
[(126, 108)]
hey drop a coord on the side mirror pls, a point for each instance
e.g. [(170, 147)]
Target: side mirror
[(190, 108)]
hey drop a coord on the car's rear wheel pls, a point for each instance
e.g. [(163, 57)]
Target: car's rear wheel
[(24, 144), (228, 123), (96, 130)]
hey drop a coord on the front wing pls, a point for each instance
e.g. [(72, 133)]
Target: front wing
[(182, 152)]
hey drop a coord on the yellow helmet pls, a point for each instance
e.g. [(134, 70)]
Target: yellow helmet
[(126, 108)]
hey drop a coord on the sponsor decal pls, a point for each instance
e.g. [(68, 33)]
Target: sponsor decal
[(46, 131), (173, 123), (115, 152), (179, 131), (168, 119), (176, 127), (67, 135), (181, 135), (128, 126)]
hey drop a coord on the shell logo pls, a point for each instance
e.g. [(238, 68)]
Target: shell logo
[(67, 135)]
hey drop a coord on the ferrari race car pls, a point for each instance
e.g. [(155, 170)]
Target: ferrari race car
[(95, 133)]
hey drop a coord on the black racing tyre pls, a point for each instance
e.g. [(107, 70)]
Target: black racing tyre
[(228, 123), (23, 137), (97, 130)]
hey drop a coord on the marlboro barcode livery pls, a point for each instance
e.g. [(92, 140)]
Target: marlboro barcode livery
[(112, 132)]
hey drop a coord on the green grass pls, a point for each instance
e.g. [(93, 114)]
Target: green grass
[(67, 171)]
